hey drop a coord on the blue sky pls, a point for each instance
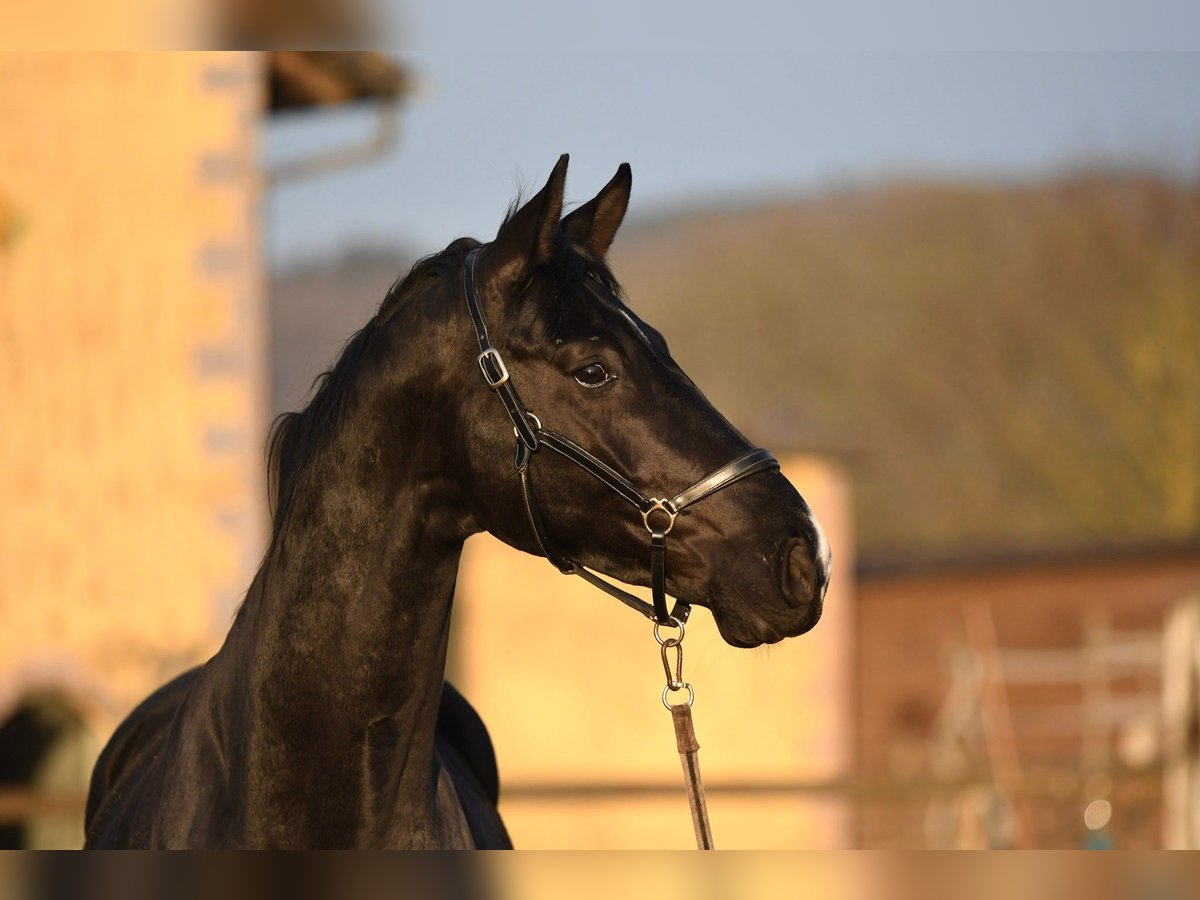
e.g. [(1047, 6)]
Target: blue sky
[(715, 126)]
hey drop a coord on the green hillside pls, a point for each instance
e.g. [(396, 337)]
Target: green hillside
[(1003, 368)]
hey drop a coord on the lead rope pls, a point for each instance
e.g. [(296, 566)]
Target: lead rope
[(685, 733)]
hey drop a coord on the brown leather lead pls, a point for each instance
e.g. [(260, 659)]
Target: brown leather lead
[(689, 747)]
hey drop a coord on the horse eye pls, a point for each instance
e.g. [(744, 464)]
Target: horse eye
[(592, 375)]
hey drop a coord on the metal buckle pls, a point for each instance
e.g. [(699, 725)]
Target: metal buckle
[(665, 506), (494, 355)]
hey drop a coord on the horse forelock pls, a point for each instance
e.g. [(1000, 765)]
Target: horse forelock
[(585, 281)]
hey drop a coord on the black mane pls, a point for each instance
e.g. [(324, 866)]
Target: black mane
[(297, 437)]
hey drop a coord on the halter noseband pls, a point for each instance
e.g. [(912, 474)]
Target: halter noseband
[(658, 514)]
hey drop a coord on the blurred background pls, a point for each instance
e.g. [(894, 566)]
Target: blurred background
[(969, 282)]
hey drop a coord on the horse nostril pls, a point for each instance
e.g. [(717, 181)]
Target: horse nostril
[(798, 572)]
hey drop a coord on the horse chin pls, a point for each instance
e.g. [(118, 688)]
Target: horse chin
[(749, 629)]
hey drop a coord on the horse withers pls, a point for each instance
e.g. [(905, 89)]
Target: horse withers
[(325, 720)]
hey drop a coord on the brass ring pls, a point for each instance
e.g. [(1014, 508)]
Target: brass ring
[(536, 421), (665, 506)]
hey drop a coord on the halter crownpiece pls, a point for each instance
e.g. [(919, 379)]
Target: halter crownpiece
[(658, 514)]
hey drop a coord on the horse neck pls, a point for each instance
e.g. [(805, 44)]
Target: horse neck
[(344, 636)]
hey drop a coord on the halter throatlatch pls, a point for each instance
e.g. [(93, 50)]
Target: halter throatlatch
[(658, 514)]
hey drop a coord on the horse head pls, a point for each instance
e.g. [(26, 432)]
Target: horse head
[(592, 373)]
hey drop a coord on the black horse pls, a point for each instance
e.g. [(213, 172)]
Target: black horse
[(324, 720)]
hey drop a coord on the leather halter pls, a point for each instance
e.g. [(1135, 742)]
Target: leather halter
[(658, 514)]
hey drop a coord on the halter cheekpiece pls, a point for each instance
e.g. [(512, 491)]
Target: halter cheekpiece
[(658, 514)]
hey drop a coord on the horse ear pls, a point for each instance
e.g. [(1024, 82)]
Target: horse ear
[(526, 239), (594, 224)]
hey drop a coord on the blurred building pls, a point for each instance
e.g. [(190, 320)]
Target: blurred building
[(132, 385), (1000, 700), (132, 394)]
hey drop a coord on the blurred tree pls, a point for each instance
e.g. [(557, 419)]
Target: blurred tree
[(1009, 367)]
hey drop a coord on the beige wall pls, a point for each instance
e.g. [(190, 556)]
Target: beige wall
[(569, 682), (80, 25), (131, 342)]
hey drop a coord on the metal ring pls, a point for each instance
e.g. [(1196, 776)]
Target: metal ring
[(690, 700), (676, 623), (665, 506), (536, 421)]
